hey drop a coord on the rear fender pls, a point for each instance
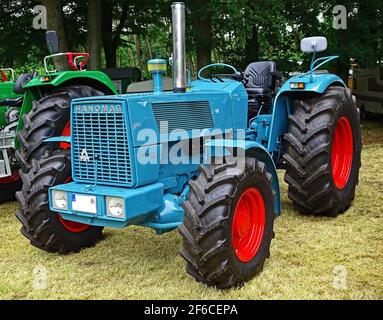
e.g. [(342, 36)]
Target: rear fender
[(94, 79), (283, 107), (34, 90)]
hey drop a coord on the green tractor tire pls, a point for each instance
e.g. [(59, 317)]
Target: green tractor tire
[(49, 117), (45, 229)]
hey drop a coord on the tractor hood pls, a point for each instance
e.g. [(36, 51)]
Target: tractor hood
[(204, 106), (113, 136)]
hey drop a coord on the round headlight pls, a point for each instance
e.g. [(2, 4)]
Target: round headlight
[(116, 207), (60, 200)]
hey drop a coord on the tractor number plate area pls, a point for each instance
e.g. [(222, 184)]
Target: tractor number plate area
[(83, 203)]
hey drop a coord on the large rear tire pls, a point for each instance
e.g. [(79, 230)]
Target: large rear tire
[(45, 229), (228, 226), (48, 118), (323, 155)]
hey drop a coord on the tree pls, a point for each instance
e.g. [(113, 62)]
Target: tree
[(94, 41), (20, 44), (55, 21), (111, 39), (201, 17), (363, 38)]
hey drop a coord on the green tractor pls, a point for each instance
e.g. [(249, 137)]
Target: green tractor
[(37, 107), (10, 104)]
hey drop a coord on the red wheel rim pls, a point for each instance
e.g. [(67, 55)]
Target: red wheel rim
[(342, 153), (74, 227), (65, 133), (248, 225)]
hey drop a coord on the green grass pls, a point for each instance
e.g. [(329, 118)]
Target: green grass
[(136, 264)]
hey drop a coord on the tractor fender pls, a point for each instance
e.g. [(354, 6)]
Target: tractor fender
[(319, 84), (95, 79), (283, 108), (64, 139), (221, 147)]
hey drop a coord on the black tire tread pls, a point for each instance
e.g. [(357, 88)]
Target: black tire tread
[(39, 224), (207, 213), (313, 119), (42, 122)]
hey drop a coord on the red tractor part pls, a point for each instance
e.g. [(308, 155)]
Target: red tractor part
[(13, 178), (71, 226), (3, 76), (65, 133), (342, 153), (248, 225), (71, 56)]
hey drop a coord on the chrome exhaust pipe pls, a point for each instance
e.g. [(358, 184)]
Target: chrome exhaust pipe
[(179, 51)]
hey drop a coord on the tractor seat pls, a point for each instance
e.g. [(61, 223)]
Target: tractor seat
[(261, 78), (260, 83)]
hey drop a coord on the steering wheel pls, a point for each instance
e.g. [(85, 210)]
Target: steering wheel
[(236, 75)]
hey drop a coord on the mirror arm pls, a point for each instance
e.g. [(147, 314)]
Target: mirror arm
[(312, 65), (324, 59)]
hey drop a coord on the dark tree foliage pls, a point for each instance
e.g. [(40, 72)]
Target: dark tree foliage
[(19, 42), (235, 32)]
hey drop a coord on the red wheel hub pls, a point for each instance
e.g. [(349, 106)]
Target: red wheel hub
[(248, 225), (342, 152), (65, 133), (72, 226)]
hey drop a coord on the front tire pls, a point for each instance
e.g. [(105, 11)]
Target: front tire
[(323, 155), (45, 229), (227, 205)]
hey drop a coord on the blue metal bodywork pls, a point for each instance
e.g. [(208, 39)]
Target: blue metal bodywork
[(278, 124), (152, 188)]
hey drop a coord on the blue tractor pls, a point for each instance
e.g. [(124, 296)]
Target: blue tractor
[(202, 158)]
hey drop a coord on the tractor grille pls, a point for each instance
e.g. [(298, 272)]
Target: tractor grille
[(183, 115), (100, 145)]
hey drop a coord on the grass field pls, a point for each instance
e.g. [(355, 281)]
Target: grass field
[(308, 255)]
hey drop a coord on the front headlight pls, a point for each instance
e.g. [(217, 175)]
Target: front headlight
[(60, 200), (115, 207)]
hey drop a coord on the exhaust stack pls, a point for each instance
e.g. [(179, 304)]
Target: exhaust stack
[(179, 51)]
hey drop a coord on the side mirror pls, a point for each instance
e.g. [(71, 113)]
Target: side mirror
[(313, 44), (52, 42)]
